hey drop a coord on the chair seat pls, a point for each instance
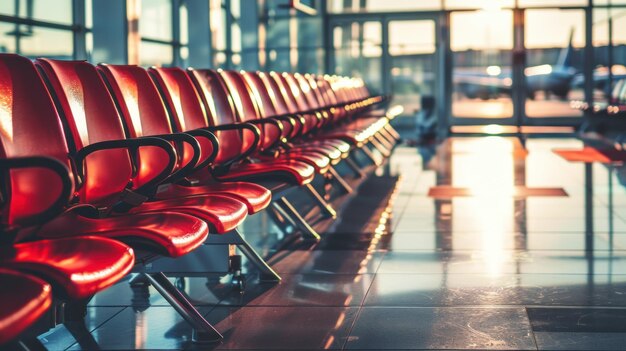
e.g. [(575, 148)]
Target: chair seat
[(320, 162), (254, 196), (168, 233), (24, 300), (342, 146), (295, 172), (327, 150), (223, 213), (78, 266)]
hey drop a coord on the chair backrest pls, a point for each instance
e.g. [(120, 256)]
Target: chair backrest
[(297, 104), (220, 111), (143, 112), (90, 116), (29, 126), (187, 112), (248, 106), (267, 100)]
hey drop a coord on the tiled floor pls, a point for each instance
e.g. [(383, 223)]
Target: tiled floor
[(483, 272)]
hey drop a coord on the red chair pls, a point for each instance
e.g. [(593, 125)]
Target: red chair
[(272, 105), (237, 141), (40, 189), (224, 86), (247, 110), (145, 115), (91, 119), (25, 299), (357, 134), (374, 127)]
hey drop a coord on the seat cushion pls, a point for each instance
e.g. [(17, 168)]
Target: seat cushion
[(329, 151), (77, 267), (24, 300), (315, 159), (254, 196), (166, 233), (222, 213), (294, 172)]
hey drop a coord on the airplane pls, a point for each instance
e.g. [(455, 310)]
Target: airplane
[(495, 80)]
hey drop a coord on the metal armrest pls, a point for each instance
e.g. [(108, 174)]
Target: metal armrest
[(180, 138), (240, 127), (201, 133), (132, 145)]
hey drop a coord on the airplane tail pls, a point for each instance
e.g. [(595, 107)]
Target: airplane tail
[(565, 57)]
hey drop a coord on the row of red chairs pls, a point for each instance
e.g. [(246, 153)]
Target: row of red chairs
[(107, 168)]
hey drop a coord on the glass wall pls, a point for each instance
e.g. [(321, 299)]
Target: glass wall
[(609, 42), (163, 30), (42, 28), (482, 45), (554, 41), (357, 52)]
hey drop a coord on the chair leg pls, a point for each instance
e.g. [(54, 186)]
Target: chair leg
[(388, 138), (339, 179), (285, 223), (392, 131), (370, 155), (267, 273), (285, 208), (83, 336), (203, 331), (319, 200), (27, 344), (358, 173), (380, 146)]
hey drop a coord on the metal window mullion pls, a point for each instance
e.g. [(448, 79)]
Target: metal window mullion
[(177, 59), (79, 32)]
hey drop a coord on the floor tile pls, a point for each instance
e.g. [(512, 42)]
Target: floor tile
[(580, 341), (287, 328), (508, 290), (441, 328), (305, 290), (578, 320), (155, 328), (62, 337), (329, 262)]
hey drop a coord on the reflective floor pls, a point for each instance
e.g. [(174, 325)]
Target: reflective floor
[(402, 270)]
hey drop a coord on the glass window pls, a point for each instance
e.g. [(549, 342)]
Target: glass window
[(339, 6), (156, 20), (358, 52), (154, 54), (58, 11), (554, 61), (218, 22), (482, 44), (45, 42), (551, 3), (402, 44), (479, 4), (7, 42)]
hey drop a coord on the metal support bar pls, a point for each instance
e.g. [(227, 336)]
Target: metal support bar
[(203, 331), (392, 131), (339, 179), (321, 203), (370, 155), (386, 144), (286, 209), (354, 167), (379, 147), (267, 273)]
